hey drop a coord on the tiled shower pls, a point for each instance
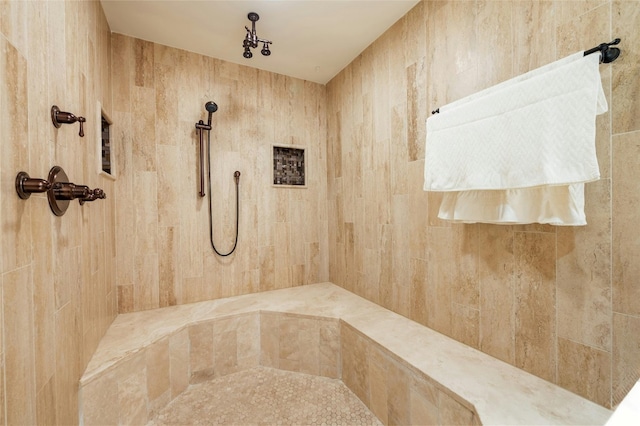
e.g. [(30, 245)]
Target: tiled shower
[(560, 303)]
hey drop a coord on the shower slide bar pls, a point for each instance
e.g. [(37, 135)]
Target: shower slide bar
[(608, 54)]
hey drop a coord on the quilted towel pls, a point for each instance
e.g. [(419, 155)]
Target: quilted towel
[(498, 153), (537, 129)]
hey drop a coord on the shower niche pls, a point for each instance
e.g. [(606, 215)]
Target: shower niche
[(106, 162), (289, 166)]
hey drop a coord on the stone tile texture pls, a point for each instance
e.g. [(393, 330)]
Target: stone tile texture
[(261, 396)]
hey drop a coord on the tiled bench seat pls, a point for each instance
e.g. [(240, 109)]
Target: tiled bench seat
[(405, 372)]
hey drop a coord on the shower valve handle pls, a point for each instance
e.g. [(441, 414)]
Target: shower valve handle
[(61, 117), (92, 195)]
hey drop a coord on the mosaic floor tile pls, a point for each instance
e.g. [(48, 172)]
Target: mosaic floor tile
[(265, 396)]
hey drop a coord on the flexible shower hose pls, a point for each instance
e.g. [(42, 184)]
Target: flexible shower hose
[(237, 181)]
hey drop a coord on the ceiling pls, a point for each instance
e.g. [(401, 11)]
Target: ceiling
[(312, 39)]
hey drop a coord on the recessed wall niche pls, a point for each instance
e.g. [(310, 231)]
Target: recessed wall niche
[(106, 162), (289, 167)]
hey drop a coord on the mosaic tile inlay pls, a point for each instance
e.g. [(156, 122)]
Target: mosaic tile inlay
[(288, 166), (267, 396)]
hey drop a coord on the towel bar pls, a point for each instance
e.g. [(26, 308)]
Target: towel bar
[(607, 54)]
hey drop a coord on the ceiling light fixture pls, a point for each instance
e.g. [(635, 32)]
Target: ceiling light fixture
[(251, 40)]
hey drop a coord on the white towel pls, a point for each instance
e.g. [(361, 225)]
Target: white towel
[(554, 205), (535, 130)]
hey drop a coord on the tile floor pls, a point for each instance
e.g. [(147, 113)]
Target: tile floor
[(266, 396)]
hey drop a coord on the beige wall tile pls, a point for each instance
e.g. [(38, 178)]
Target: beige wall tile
[(100, 401), (179, 362), (15, 219), (132, 390), (452, 412), (355, 362), (589, 26), (125, 298), (46, 403), (225, 351), (626, 353), (535, 303), (69, 355), (440, 275), (18, 351), (568, 11), (585, 371), (43, 295), (465, 289), (143, 133), (201, 352), (416, 96), (625, 198), (168, 266), (418, 211), (3, 416), (267, 268), (418, 290), (166, 95), (465, 324), (247, 329), (495, 47), (497, 281), (168, 185), (626, 88), (269, 339), (329, 356), (309, 344), (122, 74), (66, 279), (423, 401), (399, 401), (378, 371), (158, 371), (313, 263), (289, 354), (584, 273), (143, 51), (582, 28), (146, 274), (533, 33)]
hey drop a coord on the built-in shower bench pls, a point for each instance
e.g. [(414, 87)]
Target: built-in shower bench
[(404, 372)]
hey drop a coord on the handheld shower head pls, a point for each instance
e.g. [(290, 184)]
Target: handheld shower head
[(211, 107)]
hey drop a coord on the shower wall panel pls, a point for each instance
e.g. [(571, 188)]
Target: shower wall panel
[(560, 303), (164, 255), (58, 292)]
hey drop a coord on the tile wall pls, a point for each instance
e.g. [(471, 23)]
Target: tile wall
[(561, 303), (164, 254), (57, 278)]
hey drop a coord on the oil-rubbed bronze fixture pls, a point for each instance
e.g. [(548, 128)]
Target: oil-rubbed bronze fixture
[(60, 117), (58, 188), (25, 185), (251, 40)]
